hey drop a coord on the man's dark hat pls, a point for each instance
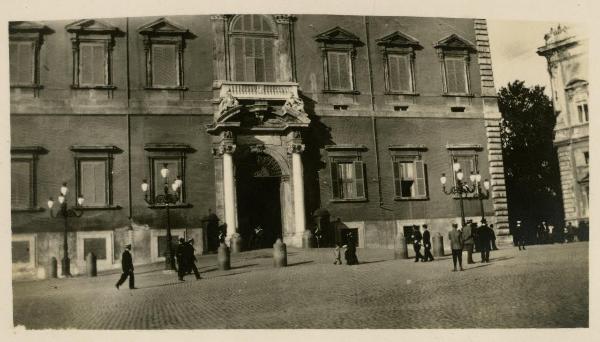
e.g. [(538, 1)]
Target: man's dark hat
[(128, 246), (181, 240), (483, 220), (424, 226)]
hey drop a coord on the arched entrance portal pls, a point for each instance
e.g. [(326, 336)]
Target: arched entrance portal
[(258, 177)]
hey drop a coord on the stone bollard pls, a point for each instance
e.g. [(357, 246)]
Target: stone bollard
[(400, 249), (307, 239), (438, 245), (279, 254), (91, 269), (53, 267), (223, 258), (236, 243)]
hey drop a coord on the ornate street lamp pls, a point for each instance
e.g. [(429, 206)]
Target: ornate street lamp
[(165, 200), (462, 188), (65, 212)]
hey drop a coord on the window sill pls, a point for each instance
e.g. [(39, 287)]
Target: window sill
[(97, 87), (28, 86), (350, 200), (182, 88), (401, 93), (26, 210), (350, 92), (172, 206), (105, 207), (407, 199), (458, 95)]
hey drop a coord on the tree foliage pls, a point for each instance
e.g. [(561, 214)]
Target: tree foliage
[(530, 159)]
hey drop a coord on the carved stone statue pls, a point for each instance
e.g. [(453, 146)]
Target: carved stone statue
[(227, 102), (294, 102)]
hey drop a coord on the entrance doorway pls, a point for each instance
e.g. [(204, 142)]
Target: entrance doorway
[(258, 200)]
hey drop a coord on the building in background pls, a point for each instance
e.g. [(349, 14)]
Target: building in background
[(567, 56), (281, 121)]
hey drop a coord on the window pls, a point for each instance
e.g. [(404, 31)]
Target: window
[(164, 42), (347, 179), (466, 155), (171, 156), (24, 256), (398, 51), (23, 177), (94, 175), (409, 178), (25, 40), (97, 246), (338, 47), (21, 252), (582, 112), (454, 54), (93, 42), (253, 48)]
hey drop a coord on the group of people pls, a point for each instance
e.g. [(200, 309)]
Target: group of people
[(186, 259), (418, 238), (349, 253), (469, 238), (547, 234)]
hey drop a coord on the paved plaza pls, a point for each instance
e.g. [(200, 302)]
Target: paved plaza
[(544, 286)]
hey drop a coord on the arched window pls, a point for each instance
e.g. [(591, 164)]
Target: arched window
[(252, 48)]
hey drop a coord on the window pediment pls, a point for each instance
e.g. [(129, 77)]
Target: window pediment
[(162, 27), (27, 26), (90, 26), (338, 35), (398, 40), (455, 42)]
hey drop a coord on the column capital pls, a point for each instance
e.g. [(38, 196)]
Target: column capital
[(283, 18), (295, 148), (224, 148)]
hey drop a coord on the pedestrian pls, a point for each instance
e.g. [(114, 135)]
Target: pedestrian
[(468, 242), (350, 253), (475, 233), (519, 232), (337, 254), (181, 259), (427, 244), (417, 237), (190, 258), (318, 235), (493, 238), (456, 244), (258, 236), (127, 266), (545, 232), (485, 241), (569, 232), (222, 233)]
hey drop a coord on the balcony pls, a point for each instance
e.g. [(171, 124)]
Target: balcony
[(258, 91)]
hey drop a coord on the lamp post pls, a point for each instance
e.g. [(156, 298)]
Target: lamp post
[(65, 212), (462, 188), (481, 195), (165, 200)]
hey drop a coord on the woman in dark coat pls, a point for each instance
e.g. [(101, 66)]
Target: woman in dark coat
[(350, 253)]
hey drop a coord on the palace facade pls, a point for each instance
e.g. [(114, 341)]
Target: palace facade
[(287, 122)]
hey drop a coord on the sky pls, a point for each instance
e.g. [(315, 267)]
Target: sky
[(513, 46)]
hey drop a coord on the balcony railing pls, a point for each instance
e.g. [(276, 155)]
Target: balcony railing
[(258, 90)]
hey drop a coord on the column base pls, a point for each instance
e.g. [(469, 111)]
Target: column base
[(293, 240)]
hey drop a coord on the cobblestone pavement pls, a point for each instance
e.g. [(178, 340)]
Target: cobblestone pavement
[(544, 286)]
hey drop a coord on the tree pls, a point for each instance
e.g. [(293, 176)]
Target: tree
[(530, 159)]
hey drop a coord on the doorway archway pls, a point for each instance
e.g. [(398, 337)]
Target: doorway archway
[(259, 203)]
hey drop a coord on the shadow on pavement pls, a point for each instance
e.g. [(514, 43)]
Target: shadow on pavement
[(502, 258), (371, 262), (478, 266), (243, 266), (300, 263)]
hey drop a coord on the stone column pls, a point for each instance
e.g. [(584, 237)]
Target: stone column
[(296, 149), (284, 47), (227, 148)]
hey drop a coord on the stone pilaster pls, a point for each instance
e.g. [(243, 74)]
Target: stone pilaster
[(567, 182), (484, 58), (219, 27), (284, 44)]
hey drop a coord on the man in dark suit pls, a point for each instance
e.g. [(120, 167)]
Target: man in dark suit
[(190, 258), (127, 265), (456, 244), (519, 232), (468, 242), (485, 240), (417, 237), (180, 253), (494, 247), (427, 244)]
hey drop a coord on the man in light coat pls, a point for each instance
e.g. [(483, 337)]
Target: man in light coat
[(456, 244)]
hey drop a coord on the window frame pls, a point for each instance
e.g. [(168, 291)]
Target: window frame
[(457, 56), (338, 154), (156, 152), (455, 47), (339, 40), (413, 154), (388, 74), (33, 33), (104, 153), (464, 151), (29, 154), (399, 44)]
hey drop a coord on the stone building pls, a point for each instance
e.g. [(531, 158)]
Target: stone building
[(567, 56), (288, 122)]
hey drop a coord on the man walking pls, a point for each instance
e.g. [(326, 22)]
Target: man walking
[(519, 232), (417, 237), (468, 241), (180, 253), (456, 244), (427, 244), (190, 258), (485, 240), (127, 265)]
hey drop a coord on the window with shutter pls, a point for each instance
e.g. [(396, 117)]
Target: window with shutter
[(409, 177), (468, 165), (400, 73), (252, 45), (339, 70), (347, 179), (22, 63), (21, 185), (92, 182), (456, 77), (360, 179), (92, 64), (164, 65), (174, 167)]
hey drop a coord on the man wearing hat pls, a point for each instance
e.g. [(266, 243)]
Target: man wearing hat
[(427, 244), (485, 241), (468, 241), (519, 232), (416, 238), (127, 265), (190, 258), (456, 244), (180, 253)]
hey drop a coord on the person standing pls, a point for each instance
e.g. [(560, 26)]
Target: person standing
[(427, 244), (350, 253), (180, 253), (493, 238), (468, 241), (417, 237), (475, 233), (485, 240), (127, 266), (337, 255), (456, 244), (519, 232), (190, 258)]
